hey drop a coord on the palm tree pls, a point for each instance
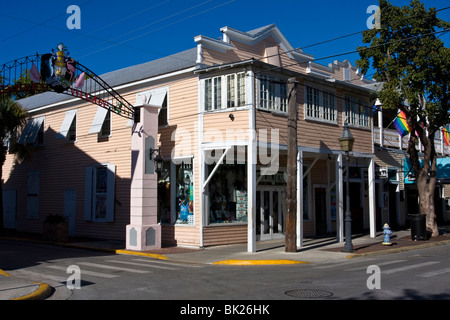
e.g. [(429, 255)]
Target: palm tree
[(12, 117)]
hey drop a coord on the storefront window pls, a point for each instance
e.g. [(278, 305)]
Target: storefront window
[(184, 193), (228, 194)]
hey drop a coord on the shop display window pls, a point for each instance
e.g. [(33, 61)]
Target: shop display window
[(184, 193), (227, 194), (176, 200)]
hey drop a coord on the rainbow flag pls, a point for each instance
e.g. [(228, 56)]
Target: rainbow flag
[(446, 135), (401, 125)]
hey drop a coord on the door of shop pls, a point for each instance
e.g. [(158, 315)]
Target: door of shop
[(270, 212)]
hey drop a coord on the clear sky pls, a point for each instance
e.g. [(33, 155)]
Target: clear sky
[(117, 34)]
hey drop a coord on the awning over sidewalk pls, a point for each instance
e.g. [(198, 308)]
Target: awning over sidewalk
[(443, 170)]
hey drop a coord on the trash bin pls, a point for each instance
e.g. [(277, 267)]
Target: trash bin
[(418, 227)]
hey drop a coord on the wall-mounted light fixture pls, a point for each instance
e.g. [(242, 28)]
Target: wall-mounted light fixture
[(231, 116), (155, 155)]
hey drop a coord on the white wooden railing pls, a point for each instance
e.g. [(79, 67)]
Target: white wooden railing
[(391, 139)]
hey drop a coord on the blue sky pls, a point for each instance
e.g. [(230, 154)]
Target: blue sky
[(118, 34)]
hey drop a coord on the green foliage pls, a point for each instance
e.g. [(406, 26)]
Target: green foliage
[(412, 62), (12, 118)]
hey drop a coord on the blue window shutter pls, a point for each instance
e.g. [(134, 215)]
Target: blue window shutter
[(88, 195), (111, 190)]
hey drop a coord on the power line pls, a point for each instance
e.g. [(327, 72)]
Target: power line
[(35, 24), (359, 50), (162, 27), (43, 24), (340, 37)]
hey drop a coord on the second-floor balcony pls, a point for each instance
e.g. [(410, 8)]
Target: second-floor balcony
[(390, 138)]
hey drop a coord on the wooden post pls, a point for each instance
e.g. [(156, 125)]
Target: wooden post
[(290, 238)]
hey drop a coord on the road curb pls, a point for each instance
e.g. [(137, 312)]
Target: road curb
[(44, 291), (257, 262), (4, 273), (41, 293), (397, 250), (145, 254)]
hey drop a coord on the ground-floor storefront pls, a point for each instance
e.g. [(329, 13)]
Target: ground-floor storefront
[(239, 202)]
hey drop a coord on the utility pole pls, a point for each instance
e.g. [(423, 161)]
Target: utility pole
[(290, 237)]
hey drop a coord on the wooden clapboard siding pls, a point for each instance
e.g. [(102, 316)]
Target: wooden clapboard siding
[(62, 166), (219, 127), (242, 52), (218, 235), (271, 121), (180, 235)]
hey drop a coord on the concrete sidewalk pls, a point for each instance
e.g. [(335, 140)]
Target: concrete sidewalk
[(12, 288), (272, 252)]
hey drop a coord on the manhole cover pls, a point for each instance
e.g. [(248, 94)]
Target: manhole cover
[(309, 293)]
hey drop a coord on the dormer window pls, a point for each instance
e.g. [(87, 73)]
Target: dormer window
[(347, 74)]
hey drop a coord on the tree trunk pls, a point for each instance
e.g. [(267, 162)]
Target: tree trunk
[(425, 178), (426, 203)]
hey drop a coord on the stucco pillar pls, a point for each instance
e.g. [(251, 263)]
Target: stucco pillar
[(144, 233)]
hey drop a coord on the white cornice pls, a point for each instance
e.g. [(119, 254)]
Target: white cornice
[(214, 44), (272, 30)]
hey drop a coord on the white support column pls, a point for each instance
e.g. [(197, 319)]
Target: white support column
[(380, 124), (372, 202), (144, 232), (251, 164), (299, 199), (328, 197), (340, 196)]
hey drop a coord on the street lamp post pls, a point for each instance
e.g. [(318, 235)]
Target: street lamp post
[(346, 141)]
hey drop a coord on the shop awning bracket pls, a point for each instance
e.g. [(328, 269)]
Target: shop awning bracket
[(216, 167), (310, 167)]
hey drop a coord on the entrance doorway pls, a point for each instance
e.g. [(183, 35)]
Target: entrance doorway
[(320, 207), (270, 212)]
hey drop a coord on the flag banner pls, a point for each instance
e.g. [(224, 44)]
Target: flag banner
[(401, 125), (446, 135)]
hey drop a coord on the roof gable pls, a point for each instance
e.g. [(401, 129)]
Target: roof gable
[(254, 36)]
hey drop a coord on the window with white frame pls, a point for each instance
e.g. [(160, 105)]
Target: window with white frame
[(217, 93), (105, 131), (272, 94), (320, 105), (208, 95), (33, 133), (68, 128), (356, 113), (101, 123), (226, 91)]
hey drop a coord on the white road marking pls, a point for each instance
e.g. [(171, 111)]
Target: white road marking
[(413, 266), (104, 266), (148, 265), (86, 272)]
